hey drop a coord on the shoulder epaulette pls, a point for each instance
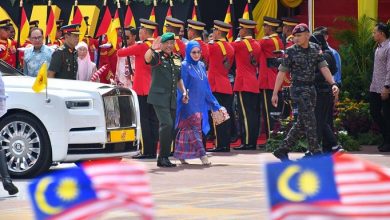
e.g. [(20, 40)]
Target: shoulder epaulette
[(176, 55)]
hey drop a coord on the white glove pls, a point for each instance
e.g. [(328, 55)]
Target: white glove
[(106, 45), (2, 47), (22, 49)]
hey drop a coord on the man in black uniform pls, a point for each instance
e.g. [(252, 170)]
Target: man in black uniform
[(301, 60), (166, 79), (63, 63)]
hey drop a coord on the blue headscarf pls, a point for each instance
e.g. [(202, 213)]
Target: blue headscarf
[(191, 45)]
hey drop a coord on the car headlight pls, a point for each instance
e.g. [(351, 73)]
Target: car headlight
[(78, 104)]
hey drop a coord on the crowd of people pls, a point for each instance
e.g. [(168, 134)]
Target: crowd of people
[(180, 82)]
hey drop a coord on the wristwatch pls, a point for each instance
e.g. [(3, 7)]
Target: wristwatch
[(334, 84)]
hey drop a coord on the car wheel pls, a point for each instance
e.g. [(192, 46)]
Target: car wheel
[(26, 145)]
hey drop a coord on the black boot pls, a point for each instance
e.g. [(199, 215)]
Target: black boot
[(164, 162), (7, 182)]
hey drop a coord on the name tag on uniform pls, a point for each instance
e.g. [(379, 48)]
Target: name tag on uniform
[(177, 62)]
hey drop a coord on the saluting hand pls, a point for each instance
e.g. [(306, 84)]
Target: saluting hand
[(156, 44)]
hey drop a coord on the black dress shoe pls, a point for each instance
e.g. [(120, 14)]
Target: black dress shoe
[(246, 147), (9, 186), (144, 156), (281, 154), (164, 162), (219, 149)]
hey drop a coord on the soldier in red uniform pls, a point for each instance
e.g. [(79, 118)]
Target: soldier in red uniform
[(124, 75), (220, 61), (13, 46), (173, 25), (195, 31), (268, 70), (247, 51), (141, 85), (106, 56), (5, 42), (59, 38), (288, 26)]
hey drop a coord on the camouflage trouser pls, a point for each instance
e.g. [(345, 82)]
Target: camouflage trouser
[(305, 98)]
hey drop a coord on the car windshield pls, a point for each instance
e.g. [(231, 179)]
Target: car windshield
[(7, 70)]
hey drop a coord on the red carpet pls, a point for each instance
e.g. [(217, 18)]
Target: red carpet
[(261, 140)]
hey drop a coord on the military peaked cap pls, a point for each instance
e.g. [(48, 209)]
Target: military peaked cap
[(245, 23), (33, 23), (5, 23), (71, 29), (145, 23), (290, 21), (173, 22), (222, 26), (271, 21), (197, 25)]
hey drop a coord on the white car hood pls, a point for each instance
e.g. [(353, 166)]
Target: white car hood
[(54, 84)]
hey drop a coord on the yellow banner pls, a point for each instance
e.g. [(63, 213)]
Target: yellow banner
[(39, 12), (93, 13), (264, 8), (368, 8)]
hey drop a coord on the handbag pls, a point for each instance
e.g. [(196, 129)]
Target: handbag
[(220, 116)]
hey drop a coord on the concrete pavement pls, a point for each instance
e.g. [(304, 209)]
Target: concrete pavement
[(231, 188)]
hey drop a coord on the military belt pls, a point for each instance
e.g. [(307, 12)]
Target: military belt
[(302, 83)]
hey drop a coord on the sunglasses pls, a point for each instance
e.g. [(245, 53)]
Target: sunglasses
[(196, 52)]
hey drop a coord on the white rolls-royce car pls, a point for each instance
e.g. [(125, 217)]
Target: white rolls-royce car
[(75, 121)]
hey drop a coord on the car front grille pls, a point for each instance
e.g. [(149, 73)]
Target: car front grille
[(119, 109)]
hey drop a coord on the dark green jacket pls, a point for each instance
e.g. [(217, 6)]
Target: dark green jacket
[(64, 62), (165, 75)]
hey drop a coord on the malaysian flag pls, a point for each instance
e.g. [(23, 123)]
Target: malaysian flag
[(340, 187), (88, 191)]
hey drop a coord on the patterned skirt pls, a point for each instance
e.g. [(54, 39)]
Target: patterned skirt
[(188, 143)]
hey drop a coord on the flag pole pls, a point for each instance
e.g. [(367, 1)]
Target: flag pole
[(75, 8), (197, 10), (310, 17), (47, 20), (235, 32), (101, 15), (250, 9), (19, 33), (154, 7), (124, 40), (47, 100)]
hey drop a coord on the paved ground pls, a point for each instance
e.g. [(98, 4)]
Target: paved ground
[(232, 188)]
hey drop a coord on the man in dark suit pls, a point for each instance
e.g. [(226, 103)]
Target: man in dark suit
[(166, 79)]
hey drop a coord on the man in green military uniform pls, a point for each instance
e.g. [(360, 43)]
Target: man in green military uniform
[(63, 63), (166, 79), (302, 60)]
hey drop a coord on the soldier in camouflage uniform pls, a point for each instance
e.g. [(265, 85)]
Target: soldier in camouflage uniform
[(301, 60)]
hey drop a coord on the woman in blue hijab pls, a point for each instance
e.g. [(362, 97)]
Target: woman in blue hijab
[(192, 118)]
